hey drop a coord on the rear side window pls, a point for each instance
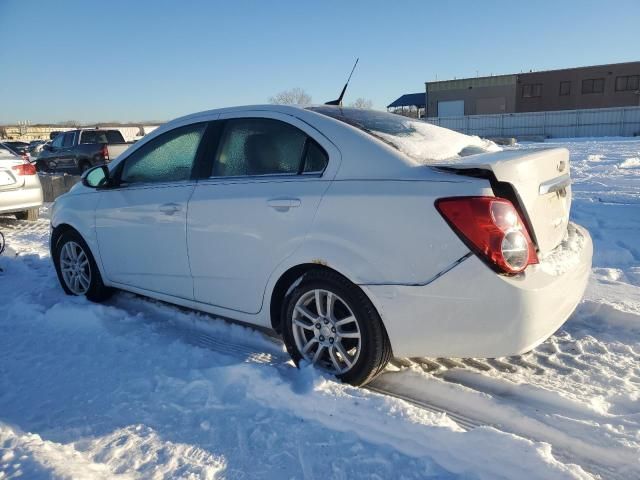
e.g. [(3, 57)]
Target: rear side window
[(101, 136), (89, 136), (4, 151), (114, 136), (315, 160), (167, 158), (259, 146)]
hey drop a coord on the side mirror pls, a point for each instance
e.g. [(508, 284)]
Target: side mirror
[(97, 177)]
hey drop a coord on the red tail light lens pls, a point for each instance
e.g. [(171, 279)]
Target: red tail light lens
[(492, 228), (25, 169), (105, 153)]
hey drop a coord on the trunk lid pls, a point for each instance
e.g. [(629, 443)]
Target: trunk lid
[(541, 182), (9, 178)]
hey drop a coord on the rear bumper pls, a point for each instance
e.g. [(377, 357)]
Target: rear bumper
[(471, 311), (20, 199)]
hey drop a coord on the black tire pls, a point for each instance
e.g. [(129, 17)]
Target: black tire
[(97, 291), (30, 215), (375, 350), (83, 167)]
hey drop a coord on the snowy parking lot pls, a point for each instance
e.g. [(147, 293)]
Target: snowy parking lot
[(135, 388)]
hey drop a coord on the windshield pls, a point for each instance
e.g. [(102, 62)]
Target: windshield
[(422, 142)]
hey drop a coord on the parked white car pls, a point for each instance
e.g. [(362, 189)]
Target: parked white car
[(354, 234), (20, 189)]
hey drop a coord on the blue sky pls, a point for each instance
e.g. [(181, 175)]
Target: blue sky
[(155, 60)]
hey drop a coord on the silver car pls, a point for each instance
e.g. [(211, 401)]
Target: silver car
[(20, 189)]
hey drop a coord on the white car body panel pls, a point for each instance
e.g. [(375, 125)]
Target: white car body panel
[(370, 217), (270, 219), (17, 192), (499, 315), (136, 226)]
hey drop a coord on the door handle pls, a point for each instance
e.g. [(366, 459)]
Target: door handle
[(170, 208), (283, 204)]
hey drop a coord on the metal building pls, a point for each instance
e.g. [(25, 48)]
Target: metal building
[(410, 105), (600, 86)]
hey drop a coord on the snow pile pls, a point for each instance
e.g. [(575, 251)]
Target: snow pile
[(566, 255), (630, 163), (425, 143)]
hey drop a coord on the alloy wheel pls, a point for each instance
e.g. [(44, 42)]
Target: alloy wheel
[(326, 331), (75, 268)]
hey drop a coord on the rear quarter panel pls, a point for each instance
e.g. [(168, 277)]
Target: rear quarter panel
[(386, 231)]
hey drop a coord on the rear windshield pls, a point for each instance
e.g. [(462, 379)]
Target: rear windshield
[(422, 142), (6, 151), (101, 136)]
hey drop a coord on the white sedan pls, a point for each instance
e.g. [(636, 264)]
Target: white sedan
[(20, 189), (356, 235)]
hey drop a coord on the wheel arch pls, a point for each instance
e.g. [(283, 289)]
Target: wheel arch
[(57, 232), (63, 227), (287, 280)]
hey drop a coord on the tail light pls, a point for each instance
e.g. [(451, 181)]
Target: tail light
[(104, 152), (492, 228), (26, 168)]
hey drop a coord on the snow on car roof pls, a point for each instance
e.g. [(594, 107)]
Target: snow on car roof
[(422, 142)]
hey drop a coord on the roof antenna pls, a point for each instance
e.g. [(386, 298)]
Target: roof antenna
[(339, 100)]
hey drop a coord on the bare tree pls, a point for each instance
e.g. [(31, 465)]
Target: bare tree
[(294, 96), (363, 103)]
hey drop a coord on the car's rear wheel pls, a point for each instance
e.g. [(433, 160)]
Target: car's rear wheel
[(76, 268), (31, 214), (331, 323)]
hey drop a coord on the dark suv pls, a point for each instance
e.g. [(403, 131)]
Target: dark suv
[(78, 150)]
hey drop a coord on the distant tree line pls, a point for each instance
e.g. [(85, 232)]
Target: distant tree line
[(298, 96)]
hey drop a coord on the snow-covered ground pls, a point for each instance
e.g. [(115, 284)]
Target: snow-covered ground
[(135, 388)]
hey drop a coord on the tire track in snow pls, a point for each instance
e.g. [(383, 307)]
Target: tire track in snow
[(196, 334)]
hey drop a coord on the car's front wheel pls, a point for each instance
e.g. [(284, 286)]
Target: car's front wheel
[(76, 268), (332, 324)]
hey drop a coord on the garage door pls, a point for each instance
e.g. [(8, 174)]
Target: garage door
[(451, 108)]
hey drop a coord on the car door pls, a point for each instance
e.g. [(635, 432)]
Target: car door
[(65, 156), (256, 207), (140, 223), (48, 158)]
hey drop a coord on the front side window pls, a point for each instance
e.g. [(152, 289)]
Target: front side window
[(67, 140), (259, 146), (593, 85), (167, 158), (57, 142)]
